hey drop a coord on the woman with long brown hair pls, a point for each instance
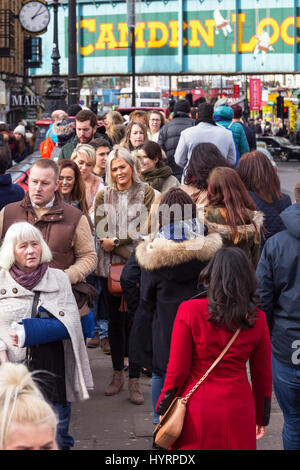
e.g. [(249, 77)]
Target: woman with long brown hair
[(231, 212), (263, 184), (135, 135), (71, 186)]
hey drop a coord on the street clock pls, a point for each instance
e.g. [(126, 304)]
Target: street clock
[(34, 16)]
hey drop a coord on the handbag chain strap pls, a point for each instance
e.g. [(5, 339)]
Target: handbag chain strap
[(185, 399)]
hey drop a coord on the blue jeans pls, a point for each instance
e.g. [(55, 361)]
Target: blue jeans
[(64, 439), (99, 308), (156, 386), (286, 382)]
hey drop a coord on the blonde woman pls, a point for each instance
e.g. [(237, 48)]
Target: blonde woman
[(84, 156), (123, 201), (27, 421)]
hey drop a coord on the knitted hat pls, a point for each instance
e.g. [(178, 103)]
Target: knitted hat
[(182, 106), (238, 111), (20, 130)]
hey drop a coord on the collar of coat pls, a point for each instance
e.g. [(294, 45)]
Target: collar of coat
[(225, 230), (161, 253)]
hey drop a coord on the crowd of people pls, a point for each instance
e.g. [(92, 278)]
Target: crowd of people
[(154, 240)]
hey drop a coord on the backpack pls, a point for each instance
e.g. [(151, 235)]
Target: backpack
[(47, 147)]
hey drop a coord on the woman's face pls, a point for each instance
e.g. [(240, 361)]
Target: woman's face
[(84, 165), (147, 163), (30, 437), (136, 136), (121, 174), (18, 136), (28, 255), (66, 181)]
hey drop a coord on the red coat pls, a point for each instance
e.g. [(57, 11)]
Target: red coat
[(223, 412)]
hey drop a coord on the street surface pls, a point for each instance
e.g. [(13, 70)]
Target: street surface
[(114, 423)]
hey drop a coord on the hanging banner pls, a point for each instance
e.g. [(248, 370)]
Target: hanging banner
[(255, 94)]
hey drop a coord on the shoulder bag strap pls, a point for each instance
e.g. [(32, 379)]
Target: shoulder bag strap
[(35, 303), (213, 365)]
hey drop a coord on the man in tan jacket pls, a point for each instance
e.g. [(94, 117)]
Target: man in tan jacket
[(65, 229)]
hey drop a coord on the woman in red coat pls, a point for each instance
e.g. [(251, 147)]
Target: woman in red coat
[(224, 413)]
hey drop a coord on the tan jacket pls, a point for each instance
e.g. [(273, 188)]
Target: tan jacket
[(58, 299)]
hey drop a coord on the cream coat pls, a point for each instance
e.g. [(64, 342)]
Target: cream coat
[(58, 299)]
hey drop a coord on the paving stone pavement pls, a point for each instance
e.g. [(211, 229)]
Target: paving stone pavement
[(114, 423)]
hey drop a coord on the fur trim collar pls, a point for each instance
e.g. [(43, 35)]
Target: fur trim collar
[(161, 253), (224, 230)]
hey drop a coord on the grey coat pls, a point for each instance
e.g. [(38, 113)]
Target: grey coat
[(56, 297)]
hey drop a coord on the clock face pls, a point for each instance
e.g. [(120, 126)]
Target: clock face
[(34, 16)]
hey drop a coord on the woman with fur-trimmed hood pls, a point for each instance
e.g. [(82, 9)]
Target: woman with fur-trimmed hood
[(170, 265), (232, 213)]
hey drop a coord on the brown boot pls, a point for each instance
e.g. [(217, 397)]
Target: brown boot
[(116, 384), (93, 342), (104, 345), (136, 395)]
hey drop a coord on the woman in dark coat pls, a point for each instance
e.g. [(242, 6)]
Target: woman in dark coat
[(225, 412), (170, 266), (263, 184)]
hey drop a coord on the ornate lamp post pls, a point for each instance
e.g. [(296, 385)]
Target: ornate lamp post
[(56, 93)]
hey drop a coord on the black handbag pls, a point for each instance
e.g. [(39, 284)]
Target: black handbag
[(30, 351)]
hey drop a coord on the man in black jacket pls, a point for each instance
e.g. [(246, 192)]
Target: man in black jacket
[(170, 133), (278, 274)]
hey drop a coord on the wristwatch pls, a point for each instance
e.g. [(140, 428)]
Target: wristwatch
[(116, 242)]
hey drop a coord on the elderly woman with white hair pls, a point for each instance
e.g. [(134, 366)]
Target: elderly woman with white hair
[(120, 210), (31, 291), (84, 155)]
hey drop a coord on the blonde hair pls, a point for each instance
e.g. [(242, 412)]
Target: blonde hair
[(87, 150), (17, 233), (21, 401), (120, 152)]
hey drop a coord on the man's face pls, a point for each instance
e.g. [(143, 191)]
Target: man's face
[(42, 185), (84, 131), (101, 156)]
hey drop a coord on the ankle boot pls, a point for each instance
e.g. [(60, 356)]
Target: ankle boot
[(116, 383), (136, 395)]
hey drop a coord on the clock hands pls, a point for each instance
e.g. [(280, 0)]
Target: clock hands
[(37, 13)]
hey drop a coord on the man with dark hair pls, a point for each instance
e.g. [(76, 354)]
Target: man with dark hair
[(206, 130), (103, 149), (86, 128), (169, 135), (9, 192)]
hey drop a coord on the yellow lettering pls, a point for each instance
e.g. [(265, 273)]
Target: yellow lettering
[(106, 36), (90, 25), (269, 22), (123, 28), (284, 30), (198, 29), (140, 42), (173, 25), (155, 26), (243, 46)]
